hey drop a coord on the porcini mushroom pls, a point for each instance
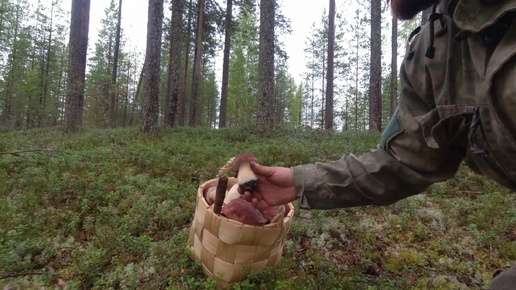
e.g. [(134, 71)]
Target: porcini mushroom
[(232, 194), (209, 194), (247, 180), (243, 211)]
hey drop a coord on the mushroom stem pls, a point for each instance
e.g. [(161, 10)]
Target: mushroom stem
[(247, 180), (232, 194), (209, 194)]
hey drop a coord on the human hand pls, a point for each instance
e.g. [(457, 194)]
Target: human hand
[(276, 186)]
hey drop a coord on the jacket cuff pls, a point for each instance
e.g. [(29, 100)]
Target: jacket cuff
[(299, 173)]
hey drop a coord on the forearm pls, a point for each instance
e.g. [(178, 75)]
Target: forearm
[(374, 178)]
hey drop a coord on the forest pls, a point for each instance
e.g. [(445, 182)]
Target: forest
[(103, 147), (206, 63)]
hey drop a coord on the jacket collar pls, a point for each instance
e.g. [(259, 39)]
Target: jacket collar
[(476, 15)]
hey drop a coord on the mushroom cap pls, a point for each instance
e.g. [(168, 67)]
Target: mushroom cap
[(242, 157)]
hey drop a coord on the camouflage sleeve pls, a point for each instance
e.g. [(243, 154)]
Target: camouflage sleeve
[(402, 166), (405, 163)]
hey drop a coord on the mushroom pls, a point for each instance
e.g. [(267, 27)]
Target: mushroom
[(247, 180), (209, 194), (232, 194), (243, 211)]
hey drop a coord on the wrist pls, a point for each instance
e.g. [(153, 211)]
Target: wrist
[(297, 181)]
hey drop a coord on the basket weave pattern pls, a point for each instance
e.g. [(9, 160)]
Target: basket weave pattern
[(228, 249)]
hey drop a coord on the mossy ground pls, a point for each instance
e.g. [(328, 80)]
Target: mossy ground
[(111, 209)]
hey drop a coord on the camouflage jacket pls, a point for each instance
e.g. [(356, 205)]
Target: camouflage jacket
[(459, 106)]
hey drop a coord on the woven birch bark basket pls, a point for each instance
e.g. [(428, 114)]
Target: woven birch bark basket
[(228, 249)]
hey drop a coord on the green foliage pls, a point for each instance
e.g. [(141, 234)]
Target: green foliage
[(32, 49), (111, 209), (243, 68), (99, 86)]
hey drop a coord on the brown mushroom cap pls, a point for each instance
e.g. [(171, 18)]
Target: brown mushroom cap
[(242, 157)]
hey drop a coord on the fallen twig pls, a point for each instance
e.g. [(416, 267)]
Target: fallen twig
[(18, 274), (16, 153)]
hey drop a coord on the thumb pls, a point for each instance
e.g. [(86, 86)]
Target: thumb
[(262, 170)]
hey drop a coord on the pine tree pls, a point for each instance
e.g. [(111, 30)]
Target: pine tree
[(174, 64), (101, 87), (331, 48), (78, 45), (316, 55), (375, 94), (196, 75), (18, 49), (225, 64), (394, 65), (243, 68), (356, 105), (113, 90), (151, 76), (266, 102)]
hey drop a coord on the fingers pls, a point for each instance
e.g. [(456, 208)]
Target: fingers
[(247, 196), (260, 203), (262, 170)]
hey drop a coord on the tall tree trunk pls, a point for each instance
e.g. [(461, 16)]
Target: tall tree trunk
[(323, 84), (346, 115), (60, 102), (174, 66), (78, 48), (312, 95), (394, 65), (266, 103), (28, 113), (3, 12), (7, 112), (151, 77), (42, 108), (113, 92), (106, 85), (225, 65), (357, 57), (196, 80), (181, 114), (375, 94), (126, 95), (329, 82), (136, 95)]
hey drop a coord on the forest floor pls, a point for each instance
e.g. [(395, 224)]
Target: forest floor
[(111, 209)]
